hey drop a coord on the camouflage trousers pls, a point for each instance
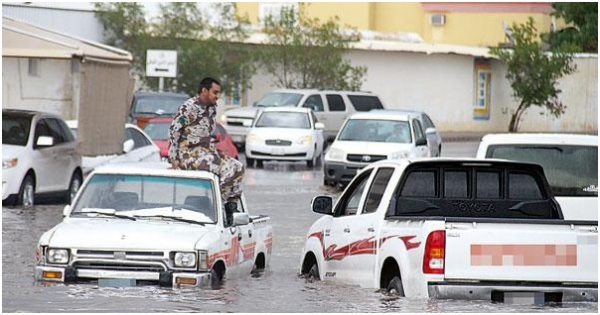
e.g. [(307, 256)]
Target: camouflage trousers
[(229, 170)]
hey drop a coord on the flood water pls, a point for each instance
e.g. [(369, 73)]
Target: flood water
[(281, 190)]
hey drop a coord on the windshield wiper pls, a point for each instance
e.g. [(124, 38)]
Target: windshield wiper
[(110, 214), (180, 219)]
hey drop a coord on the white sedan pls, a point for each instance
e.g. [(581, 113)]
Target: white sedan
[(285, 134), (137, 147)]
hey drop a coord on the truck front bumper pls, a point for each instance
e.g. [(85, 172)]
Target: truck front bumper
[(518, 294), (167, 278)]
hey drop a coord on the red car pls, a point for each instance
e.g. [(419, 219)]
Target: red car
[(158, 130)]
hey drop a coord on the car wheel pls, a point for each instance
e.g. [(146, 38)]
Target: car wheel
[(395, 286), (312, 162), (27, 192), (73, 187), (215, 280), (313, 273), (259, 164), (249, 162), (440, 150)]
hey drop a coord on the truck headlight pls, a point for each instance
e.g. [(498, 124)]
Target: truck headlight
[(399, 155), (185, 259), (58, 256), (334, 155), (9, 163)]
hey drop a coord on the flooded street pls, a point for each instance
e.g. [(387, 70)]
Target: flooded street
[(281, 190)]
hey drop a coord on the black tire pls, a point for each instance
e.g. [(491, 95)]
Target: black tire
[(259, 164), (249, 162), (74, 186), (313, 273), (215, 279), (26, 195), (395, 286)]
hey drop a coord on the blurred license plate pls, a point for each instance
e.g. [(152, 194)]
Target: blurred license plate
[(277, 151)]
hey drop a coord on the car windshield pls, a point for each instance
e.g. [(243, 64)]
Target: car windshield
[(279, 99), (157, 131), (571, 170), (148, 196), (15, 129), (158, 105), (376, 130), (283, 120)]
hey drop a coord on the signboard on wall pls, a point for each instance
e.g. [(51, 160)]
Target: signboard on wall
[(161, 63)]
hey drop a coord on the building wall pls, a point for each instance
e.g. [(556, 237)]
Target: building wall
[(77, 23), (443, 86), (466, 23), (50, 90)]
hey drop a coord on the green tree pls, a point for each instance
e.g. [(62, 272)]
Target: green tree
[(305, 53), (533, 72), (582, 21), (206, 45)]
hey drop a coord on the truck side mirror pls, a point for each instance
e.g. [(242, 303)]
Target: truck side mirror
[(421, 141), (322, 205)]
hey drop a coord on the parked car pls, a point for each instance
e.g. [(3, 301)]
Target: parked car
[(158, 130), (330, 107), (147, 104), (570, 162), (144, 223), (434, 138), (285, 134), (137, 147), (39, 157), (369, 137)]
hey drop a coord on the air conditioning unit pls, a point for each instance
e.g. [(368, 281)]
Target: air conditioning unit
[(437, 19)]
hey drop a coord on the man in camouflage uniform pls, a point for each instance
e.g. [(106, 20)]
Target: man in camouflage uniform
[(190, 145)]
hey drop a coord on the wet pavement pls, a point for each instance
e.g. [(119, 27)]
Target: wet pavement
[(281, 190)]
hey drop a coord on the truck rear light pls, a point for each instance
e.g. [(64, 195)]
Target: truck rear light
[(435, 253)]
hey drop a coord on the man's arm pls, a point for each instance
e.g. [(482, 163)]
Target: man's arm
[(180, 120)]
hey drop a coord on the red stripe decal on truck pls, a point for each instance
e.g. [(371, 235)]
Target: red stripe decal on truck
[(523, 255)]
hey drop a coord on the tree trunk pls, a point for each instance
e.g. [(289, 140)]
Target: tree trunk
[(513, 126)]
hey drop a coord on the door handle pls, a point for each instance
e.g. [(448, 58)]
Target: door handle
[(371, 229), (346, 230), (240, 237)]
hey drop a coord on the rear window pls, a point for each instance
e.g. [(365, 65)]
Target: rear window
[(157, 104), (571, 170), (466, 191), (365, 103)]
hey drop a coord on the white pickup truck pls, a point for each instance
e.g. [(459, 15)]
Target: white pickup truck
[(144, 223), (458, 228), (570, 162)]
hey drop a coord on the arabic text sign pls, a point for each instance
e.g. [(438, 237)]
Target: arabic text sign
[(161, 63)]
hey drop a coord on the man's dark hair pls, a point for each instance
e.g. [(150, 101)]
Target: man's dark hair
[(207, 83)]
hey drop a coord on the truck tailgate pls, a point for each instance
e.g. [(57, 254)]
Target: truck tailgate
[(521, 252)]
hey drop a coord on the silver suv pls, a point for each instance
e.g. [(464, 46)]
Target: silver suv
[(330, 107)]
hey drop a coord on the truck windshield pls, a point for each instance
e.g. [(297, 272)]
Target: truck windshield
[(146, 195), (571, 170), (279, 99)]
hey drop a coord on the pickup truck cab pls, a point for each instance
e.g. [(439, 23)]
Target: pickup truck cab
[(457, 228), (570, 163), (148, 224)]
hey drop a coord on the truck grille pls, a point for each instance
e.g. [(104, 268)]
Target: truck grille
[(120, 266), (365, 158)]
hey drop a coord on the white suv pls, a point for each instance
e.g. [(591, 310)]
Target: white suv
[(330, 107), (369, 137), (39, 157)]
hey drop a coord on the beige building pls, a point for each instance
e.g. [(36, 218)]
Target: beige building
[(74, 78), (459, 23)]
